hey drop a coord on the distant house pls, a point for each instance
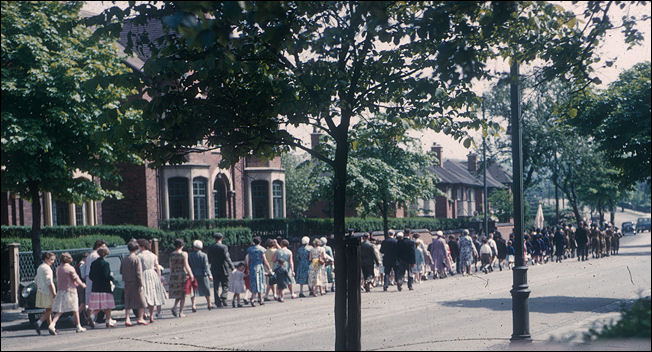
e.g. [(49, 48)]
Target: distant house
[(462, 183)]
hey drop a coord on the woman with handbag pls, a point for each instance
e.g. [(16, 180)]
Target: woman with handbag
[(317, 272), (180, 277)]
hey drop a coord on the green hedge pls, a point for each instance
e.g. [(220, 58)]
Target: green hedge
[(295, 228), (232, 236), (126, 232), (52, 243)]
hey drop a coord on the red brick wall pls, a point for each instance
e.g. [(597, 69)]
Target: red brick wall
[(18, 211), (133, 208)]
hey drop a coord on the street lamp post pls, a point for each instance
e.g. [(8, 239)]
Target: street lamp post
[(484, 163), (520, 290)]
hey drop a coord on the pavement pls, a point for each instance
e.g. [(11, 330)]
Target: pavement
[(457, 313)]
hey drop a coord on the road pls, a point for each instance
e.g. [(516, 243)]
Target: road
[(457, 313)]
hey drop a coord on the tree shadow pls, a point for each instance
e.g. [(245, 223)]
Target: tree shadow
[(634, 246), (637, 254), (549, 305)]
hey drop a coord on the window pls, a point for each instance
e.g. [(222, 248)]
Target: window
[(219, 197), (199, 198), (178, 197), (277, 192), (60, 214), (80, 214), (260, 199)]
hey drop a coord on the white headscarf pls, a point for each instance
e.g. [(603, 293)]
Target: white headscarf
[(305, 240)]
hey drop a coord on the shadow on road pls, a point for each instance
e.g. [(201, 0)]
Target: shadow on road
[(637, 254), (550, 305), (635, 246)]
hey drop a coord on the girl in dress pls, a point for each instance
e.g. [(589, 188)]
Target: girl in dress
[(282, 278), (45, 290), (237, 284), (66, 299)]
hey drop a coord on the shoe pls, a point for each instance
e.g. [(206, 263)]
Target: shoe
[(252, 303), (91, 321), (261, 302), (129, 324), (52, 330), (194, 309), (245, 301), (80, 329), (301, 295), (266, 299), (174, 312), (181, 315), (399, 287), (211, 306), (293, 296), (143, 323), (411, 288), (38, 327), (239, 305), (111, 324), (233, 304), (281, 300), (384, 288)]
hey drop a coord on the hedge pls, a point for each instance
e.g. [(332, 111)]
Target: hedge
[(126, 232), (232, 236), (295, 228), (52, 243)]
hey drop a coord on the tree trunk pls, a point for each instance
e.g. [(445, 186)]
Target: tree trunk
[(36, 223), (341, 289)]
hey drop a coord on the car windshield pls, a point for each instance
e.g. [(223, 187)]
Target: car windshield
[(643, 220)]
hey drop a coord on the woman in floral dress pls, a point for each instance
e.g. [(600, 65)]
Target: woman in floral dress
[(179, 272), (152, 286), (257, 263), (317, 274), (467, 253)]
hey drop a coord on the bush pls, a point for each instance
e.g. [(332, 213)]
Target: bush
[(52, 243), (126, 232), (634, 323), (232, 236)]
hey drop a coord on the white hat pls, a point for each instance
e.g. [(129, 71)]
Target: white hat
[(323, 241), (440, 233), (305, 240), (198, 244), (399, 234)]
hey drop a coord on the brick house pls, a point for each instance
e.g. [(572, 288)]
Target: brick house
[(462, 184), (197, 189)]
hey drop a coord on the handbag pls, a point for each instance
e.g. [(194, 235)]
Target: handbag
[(190, 284)]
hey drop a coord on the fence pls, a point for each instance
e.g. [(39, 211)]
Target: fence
[(26, 261)]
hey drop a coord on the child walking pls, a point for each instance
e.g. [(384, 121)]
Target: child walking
[(237, 284), (282, 278)]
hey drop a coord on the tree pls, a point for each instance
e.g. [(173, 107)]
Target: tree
[(619, 120), (502, 203), (299, 184), (62, 107), (236, 73)]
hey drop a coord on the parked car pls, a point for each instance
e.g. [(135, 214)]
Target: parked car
[(627, 226), (27, 299), (642, 224)]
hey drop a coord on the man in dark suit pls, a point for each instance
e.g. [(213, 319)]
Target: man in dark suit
[(581, 237), (221, 268), (368, 259), (405, 260), (388, 249)]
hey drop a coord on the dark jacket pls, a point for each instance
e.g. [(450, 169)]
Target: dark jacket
[(101, 276), (405, 251), (388, 249), (502, 248), (368, 254), (581, 235), (455, 250), (220, 260)]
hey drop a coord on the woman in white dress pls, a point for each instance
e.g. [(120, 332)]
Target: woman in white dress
[(152, 287), (45, 290)]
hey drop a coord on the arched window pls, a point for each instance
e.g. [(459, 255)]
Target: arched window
[(219, 196), (260, 199), (199, 199), (178, 197), (277, 193)]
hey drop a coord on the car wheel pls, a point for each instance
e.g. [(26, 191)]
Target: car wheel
[(33, 317)]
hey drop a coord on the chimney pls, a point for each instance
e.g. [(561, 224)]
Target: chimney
[(473, 162), (314, 138), (436, 151)]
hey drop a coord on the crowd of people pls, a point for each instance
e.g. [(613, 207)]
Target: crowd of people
[(274, 272)]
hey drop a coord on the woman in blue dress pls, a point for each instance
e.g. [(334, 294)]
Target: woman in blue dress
[(257, 265), (303, 267)]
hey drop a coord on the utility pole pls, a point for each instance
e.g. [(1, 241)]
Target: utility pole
[(484, 163), (520, 290)]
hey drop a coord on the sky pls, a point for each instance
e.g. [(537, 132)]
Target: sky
[(612, 47)]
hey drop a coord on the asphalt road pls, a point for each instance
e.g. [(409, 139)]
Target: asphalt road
[(457, 313)]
